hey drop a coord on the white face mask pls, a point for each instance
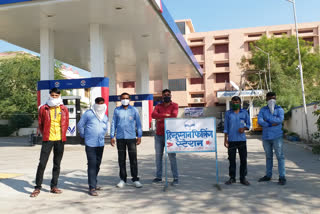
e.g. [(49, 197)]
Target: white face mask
[(99, 110), (125, 102), (53, 102), (271, 105)]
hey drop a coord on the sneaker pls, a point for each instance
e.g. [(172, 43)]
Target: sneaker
[(264, 178), (121, 184), (245, 182), (137, 184), (230, 181), (157, 180), (282, 181), (175, 182)]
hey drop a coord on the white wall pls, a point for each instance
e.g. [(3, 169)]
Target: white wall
[(297, 121)]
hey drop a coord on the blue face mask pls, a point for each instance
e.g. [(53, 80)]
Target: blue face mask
[(167, 99)]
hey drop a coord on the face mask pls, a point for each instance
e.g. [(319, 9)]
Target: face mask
[(167, 99), (235, 106), (125, 102), (99, 110), (52, 102), (271, 105)]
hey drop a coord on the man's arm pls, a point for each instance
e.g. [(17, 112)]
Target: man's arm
[(113, 124), (248, 122), (138, 123), (226, 128), (261, 121), (175, 111), (277, 119), (82, 123), (40, 120)]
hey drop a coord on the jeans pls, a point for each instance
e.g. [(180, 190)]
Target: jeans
[(241, 146), (94, 157), (277, 145), (122, 152), (58, 148), (159, 147)]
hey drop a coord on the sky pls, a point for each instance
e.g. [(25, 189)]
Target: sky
[(210, 15)]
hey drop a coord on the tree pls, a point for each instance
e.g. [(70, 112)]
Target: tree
[(18, 81), (285, 76)]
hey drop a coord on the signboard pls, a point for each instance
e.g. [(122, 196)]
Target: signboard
[(249, 93), (72, 129), (12, 1), (190, 135), (193, 112)]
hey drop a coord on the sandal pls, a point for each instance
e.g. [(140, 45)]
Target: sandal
[(55, 190), (93, 192), (98, 188), (35, 193)]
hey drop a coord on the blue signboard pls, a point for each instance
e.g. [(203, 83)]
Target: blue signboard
[(11, 1), (74, 83)]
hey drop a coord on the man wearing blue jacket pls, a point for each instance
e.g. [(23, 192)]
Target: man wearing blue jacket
[(92, 127), (270, 118), (125, 122), (236, 121)]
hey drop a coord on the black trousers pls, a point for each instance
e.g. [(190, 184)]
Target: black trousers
[(58, 148), (94, 157), (241, 146), (122, 145)]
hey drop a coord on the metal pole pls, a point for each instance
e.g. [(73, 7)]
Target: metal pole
[(269, 71), (300, 67)]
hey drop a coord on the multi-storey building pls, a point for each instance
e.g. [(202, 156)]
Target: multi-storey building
[(219, 54)]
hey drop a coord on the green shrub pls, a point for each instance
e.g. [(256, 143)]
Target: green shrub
[(20, 120), (6, 130)]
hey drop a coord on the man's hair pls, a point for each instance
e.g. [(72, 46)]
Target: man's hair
[(55, 90), (98, 100), (236, 98), (125, 93), (166, 90), (271, 94)]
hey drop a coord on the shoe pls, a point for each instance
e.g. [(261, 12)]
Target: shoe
[(282, 181), (264, 178), (55, 190), (157, 180), (98, 188), (137, 184), (35, 193), (93, 192), (175, 182), (121, 184), (230, 181), (245, 182)]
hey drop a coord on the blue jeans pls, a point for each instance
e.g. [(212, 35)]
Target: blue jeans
[(277, 145), (159, 147), (94, 157)]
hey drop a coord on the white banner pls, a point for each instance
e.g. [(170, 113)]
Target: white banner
[(190, 135)]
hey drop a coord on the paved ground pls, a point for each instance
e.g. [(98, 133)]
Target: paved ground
[(195, 194)]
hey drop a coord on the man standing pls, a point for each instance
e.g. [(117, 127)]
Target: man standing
[(93, 126), (125, 122), (53, 124), (270, 118), (236, 122), (167, 109)]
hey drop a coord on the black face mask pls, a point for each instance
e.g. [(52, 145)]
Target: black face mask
[(167, 99)]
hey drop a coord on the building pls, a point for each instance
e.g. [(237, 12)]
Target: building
[(218, 53)]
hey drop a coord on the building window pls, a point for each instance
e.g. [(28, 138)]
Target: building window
[(280, 33), (197, 50), (196, 40), (129, 84), (197, 95), (309, 40), (255, 35), (178, 85), (222, 65), (221, 48), (222, 77), (305, 31), (220, 104), (221, 38), (197, 105), (195, 81), (201, 65)]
